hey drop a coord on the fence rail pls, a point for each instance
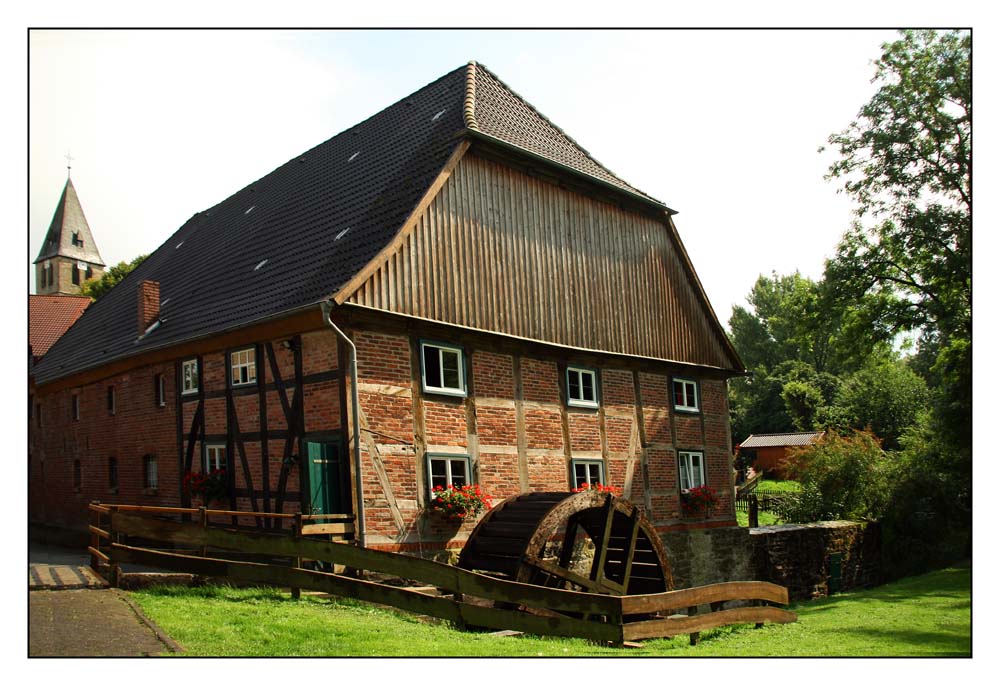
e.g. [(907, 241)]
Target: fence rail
[(767, 500), (517, 606)]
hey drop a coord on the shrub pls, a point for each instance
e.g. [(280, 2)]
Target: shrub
[(842, 477)]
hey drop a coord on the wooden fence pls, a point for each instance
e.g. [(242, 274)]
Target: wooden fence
[(509, 605)]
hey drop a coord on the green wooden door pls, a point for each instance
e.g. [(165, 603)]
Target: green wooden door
[(325, 470)]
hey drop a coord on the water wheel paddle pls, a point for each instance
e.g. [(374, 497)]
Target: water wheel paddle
[(588, 541)]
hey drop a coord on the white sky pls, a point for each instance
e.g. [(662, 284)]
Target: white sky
[(722, 126)]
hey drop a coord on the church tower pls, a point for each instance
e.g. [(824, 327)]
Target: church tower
[(69, 254)]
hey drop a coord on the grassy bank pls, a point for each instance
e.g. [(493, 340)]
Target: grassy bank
[(924, 615)]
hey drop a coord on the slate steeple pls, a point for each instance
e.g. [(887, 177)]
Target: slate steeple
[(69, 255)]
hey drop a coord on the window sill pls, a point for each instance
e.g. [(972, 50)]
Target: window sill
[(687, 410), (450, 392), (583, 405)]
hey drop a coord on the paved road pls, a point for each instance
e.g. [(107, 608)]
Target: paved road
[(72, 613)]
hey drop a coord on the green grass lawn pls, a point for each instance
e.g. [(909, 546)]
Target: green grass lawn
[(918, 616)]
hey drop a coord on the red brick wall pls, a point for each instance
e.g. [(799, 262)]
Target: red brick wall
[(505, 387), (140, 427)]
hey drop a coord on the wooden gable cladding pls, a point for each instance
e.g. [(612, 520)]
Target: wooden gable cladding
[(501, 251)]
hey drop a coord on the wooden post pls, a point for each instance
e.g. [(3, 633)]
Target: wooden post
[(203, 518), (116, 572), (759, 603), (297, 533), (752, 511), (695, 635), (95, 539)]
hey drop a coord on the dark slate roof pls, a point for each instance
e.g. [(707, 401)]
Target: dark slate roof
[(67, 222), (48, 318), (497, 111), (295, 237), (780, 440)]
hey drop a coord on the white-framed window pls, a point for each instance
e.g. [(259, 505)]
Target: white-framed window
[(448, 470), (587, 472), (76, 407), (442, 368), (150, 471), (243, 367), (215, 456), (692, 469), (112, 400), (189, 376), (685, 395), (160, 390), (581, 387)]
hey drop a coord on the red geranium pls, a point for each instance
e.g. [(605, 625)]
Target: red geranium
[(459, 503)]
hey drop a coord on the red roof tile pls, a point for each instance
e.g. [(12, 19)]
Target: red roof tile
[(49, 316)]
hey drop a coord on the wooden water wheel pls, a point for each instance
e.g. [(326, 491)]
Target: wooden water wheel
[(589, 541)]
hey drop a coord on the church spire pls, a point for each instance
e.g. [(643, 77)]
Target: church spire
[(69, 253)]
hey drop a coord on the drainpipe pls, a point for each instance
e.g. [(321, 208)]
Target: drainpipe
[(327, 307)]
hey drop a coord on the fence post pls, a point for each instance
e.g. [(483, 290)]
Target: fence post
[(116, 571), (95, 538), (203, 518), (695, 635), (753, 511), (297, 533)]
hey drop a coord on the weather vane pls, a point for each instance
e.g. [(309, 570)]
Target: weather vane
[(69, 163)]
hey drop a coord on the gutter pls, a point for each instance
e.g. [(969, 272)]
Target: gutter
[(326, 306)]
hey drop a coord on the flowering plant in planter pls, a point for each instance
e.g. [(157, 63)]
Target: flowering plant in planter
[(208, 486), (599, 487), (459, 503), (700, 500)]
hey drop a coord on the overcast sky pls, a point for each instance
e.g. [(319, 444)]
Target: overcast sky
[(722, 126)]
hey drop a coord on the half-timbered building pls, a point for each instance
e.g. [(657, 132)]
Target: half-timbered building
[(522, 317)]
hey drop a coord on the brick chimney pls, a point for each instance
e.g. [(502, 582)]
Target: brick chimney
[(149, 304)]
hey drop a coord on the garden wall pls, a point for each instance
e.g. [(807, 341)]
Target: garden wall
[(811, 560), (814, 560)]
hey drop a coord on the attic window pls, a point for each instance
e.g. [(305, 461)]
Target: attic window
[(342, 233), (351, 158), (77, 241), (250, 210), (260, 264), (438, 115)]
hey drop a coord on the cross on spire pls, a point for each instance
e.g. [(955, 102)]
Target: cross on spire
[(69, 163)]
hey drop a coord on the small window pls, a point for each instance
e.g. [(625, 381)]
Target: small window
[(581, 387), (75, 275), (76, 408), (77, 476), (692, 469), (215, 456), (448, 470), (112, 400), (149, 470), (587, 472), (113, 474), (685, 395), (77, 241), (443, 369), (90, 273), (243, 367), (160, 390), (189, 377)]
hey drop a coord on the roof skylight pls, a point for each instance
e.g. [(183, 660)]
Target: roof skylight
[(351, 158), (250, 210), (260, 264), (342, 233), (438, 115), (178, 245)]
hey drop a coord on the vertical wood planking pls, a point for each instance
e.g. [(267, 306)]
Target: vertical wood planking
[(500, 250)]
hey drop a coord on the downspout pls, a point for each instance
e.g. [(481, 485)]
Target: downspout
[(326, 306)]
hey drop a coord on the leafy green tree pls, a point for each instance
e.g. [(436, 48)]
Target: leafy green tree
[(907, 163), (885, 396), (802, 402), (97, 288)]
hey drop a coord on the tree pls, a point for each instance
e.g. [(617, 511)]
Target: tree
[(97, 288), (907, 163)]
